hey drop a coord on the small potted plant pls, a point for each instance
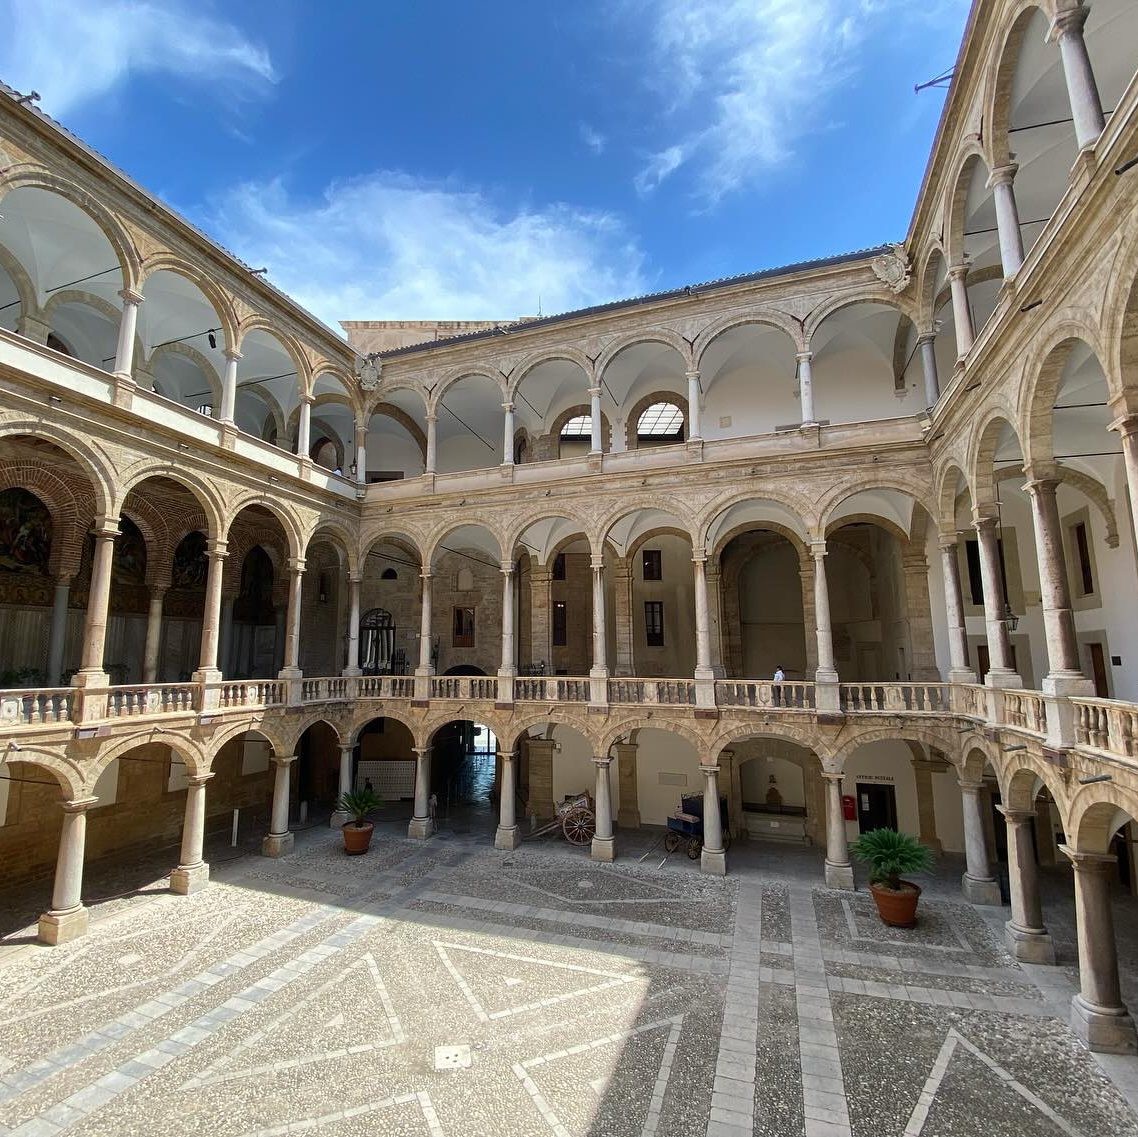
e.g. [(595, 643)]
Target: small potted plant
[(358, 831), (889, 854)]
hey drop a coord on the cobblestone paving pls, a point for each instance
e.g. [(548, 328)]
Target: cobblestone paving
[(449, 990)]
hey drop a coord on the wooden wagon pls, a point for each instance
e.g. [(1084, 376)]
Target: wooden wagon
[(576, 819)]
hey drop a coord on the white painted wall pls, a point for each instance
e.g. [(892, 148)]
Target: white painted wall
[(660, 752)]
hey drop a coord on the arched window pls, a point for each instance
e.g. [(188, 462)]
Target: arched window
[(377, 642), (661, 423), (576, 437), (389, 574), (581, 426)]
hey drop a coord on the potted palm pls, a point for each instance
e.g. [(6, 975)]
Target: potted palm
[(889, 854), (358, 831)]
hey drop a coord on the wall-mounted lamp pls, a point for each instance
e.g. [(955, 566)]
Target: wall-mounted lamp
[(55, 400), (183, 446), (273, 479), (973, 386), (1013, 749), (1128, 165), (258, 271), (1091, 779), (1011, 620), (1033, 304)]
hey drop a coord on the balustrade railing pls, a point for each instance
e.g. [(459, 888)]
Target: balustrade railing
[(36, 708), (153, 699), (970, 699), (879, 698), (765, 695), (336, 689), (252, 693), (1025, 710), (550, 689), (1103, 724), (464, 687)]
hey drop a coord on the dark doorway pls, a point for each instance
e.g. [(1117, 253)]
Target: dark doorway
[(876, 806), (983, 663), (464, 669), (1098, 670)]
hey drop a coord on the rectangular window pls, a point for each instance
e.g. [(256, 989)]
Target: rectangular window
[(654, 623), (1083, 549), (976, 577), (653, 567), (560, 624), (463, 627), (559, 567)]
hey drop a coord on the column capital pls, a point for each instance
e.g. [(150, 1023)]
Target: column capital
[(1017, 816), (838, 776), (284, 759), (421, 751), (594, 392), (1003, 175), (232, 354), (1126, 425), (355, 577), (1044, 485), (1067, 23), (131, 296), (1088, 862), (507, 755), (199, 779), (603, 763), (692, 373), (296, 566), (926, 337), (804, 356), (306, 398), (699, 556), (708, 771), (78, 804), (597, 562), (969, 787), (425, 574), (959, 270), (508, 567), (948, 540), (818, 548), (104, 527), (432, 416), (983, 521), (507, 407), (217, 549)]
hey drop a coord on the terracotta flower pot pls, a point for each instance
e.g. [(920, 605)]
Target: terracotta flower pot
[(357, 838), (897, 909)]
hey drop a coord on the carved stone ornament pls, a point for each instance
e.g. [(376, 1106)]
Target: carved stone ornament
[(368, 370), (893, 269)]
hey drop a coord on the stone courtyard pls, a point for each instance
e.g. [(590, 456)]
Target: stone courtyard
[(448, 989)]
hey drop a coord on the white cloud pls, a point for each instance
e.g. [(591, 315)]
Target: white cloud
[(593, 138), (749, 78), (74, 50), (387, 246)]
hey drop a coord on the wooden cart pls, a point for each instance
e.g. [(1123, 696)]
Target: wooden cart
[(576, 819), (685, 826)]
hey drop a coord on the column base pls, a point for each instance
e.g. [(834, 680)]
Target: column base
[(977, 891), (963, 675), (420, 828), (604, 849), (713, 862), (1108, 1030), (63, 927), (186, 880), (1004, 679), (1027, 945), (507, 837), (839, 876), (339, 819), (277, 844)]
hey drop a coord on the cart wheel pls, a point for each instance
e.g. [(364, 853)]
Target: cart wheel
[(579, 826), (695, 847), (671, 841)]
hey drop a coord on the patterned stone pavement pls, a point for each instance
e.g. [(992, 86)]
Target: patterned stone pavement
[(444, 988)]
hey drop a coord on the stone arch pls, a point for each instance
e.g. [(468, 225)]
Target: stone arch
[(521, 725), (191, 754), (92, 461), (450, 525), (70, 512), (842, 301), (568, 413), (399, 537), (387, 410), (21, 281), (336, 533), (457, 375), (69, 773), (943, 740), (386, 390), (290, 523), (610, 737), (926, 288), (985, 440), (798, 505), (208, 370), (805, 735), (648, 335), (564, 353), (768, 318), (298, 730), (969, 153), (1093, 815), (356, 723), (203, 491), (113, 228), (1021, 781), (255, 726), (219, 300), (603, 529), (829, 503), (947, 488), (291, 345), (632, 419)]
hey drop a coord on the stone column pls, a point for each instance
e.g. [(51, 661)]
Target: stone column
[(541, 803), (599, 672), (809, 622), (628, 813), (508, 435), (961, 313), (978, 884), (839, 871), (424, 667), (923, 771), (918, 612), (1082, 90), (1098, 1015), (1127, 427), (1001, 672), (225, 642), (341, 817), (98, 603), (207, 672), (192, 873), (959, 671), (66, 919), (432, 443), (153, 635), (604, 845), (361, 453), (541, 647), (1058, 617), (352, 663), (702, 619), (622, 612), (1024, 933), (280, 840), (508, 835), (291, 669), (695, 425), (508, 668), (58, 635), (124, 352), (827, 671), (422, 825), (304, 428), (927, 343), (229, 386), (596, 444), (1000, 182), (713, 859), (806, 385)]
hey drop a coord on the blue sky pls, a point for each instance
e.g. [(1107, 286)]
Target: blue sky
[(455, 160)]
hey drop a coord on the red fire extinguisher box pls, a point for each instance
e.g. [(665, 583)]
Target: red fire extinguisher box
[(849, 807)]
